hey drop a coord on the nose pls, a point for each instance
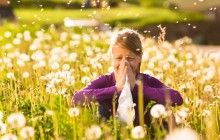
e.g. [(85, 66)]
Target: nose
[(125, 60)]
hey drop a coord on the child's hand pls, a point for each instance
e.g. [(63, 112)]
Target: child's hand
[(131, 76), (120, 76)]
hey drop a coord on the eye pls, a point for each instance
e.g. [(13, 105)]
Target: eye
[(130, 58), (118, 58)]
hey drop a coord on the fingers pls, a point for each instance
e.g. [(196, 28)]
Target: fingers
[(122, 68), (121, 76)]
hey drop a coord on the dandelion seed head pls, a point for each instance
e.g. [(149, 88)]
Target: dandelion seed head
[(20, 63), (208, 88), (1, 116), (157, 111), (72, 57), (25, 75), (93, 132), (166, 66), (16, 41), (85, 79), (16, 120), (55, 65), (151, 65), (181, 115), (138, 132), (27, 132), (49, 112), (8, 46), (182, 134), (3, 128), (8, 34), (73, 112), (70, 81), (38, 56), (206, 112), (9, 137), (10, 75)]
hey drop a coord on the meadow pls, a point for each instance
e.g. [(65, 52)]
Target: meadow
[(41, 70)]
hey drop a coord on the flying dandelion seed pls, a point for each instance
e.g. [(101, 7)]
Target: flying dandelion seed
[(138, 132), (69, 2)]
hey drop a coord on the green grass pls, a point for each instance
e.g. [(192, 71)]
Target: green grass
[(129, 17)]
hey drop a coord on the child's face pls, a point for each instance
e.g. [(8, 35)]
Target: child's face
[(121, 53)]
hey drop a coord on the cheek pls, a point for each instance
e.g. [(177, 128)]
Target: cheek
[(116, 65), (134, 66)]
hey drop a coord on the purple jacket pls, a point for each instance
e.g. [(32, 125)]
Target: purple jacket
[(103, 89)]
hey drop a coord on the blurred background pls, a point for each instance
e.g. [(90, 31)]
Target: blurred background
[(197, 19)]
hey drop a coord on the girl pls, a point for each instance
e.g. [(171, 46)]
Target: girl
[(126, 48)]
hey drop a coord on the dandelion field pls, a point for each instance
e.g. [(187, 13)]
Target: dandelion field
[(41, 70)]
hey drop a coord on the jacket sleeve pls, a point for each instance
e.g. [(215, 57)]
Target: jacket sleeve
[(97, 89), (155, 90)]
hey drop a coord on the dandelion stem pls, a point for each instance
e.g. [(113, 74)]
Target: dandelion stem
[(114, 116), (140, 103)]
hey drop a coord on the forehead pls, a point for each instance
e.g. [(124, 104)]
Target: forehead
[(122, 51)]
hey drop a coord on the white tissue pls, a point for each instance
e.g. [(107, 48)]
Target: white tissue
[(125, 109)]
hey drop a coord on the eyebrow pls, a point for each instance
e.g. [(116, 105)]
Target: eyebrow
[(125, 57)]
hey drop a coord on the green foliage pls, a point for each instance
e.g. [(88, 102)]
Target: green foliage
[(152, 3), (48, 4), (134, 17)]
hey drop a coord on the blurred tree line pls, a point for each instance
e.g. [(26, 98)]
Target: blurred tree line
[(114, 3), (6, 10)]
